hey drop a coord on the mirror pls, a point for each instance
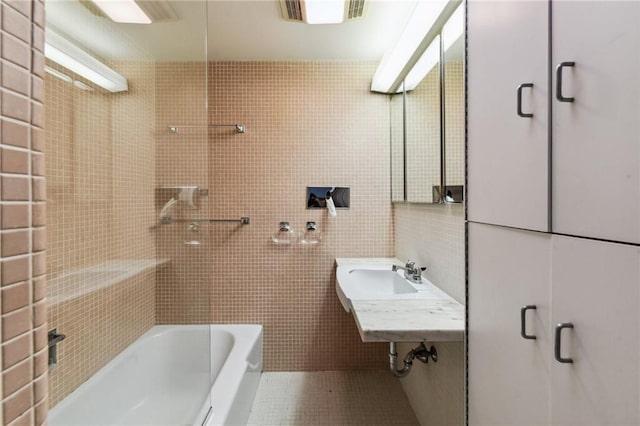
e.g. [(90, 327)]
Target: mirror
[(396, 111), (422, 136), (427, 122), (454, 149)]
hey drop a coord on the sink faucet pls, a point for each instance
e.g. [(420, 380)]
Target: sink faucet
[(411, 272)]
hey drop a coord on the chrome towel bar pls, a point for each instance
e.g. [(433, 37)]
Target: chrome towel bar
[(240, 128), (241, 221)]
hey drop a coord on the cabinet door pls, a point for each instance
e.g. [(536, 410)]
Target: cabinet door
[(595, 287), (508, 375), (596, 138), (508, 168)]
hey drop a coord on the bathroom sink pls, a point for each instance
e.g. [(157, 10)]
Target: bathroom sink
[(370, 282)]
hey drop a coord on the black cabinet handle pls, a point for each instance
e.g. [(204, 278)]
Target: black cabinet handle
[(519, 108), (523, 322), (558, 343), (559, 69)]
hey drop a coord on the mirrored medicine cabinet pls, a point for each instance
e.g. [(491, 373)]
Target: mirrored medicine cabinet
[(427, 122)]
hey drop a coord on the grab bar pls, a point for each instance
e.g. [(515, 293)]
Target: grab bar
[(241, 221), (240, 128)]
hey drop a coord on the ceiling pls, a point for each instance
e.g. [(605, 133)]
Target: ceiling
[(238, 30)]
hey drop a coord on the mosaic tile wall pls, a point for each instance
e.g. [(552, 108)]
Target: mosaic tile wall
[(23, 331), (308, 123), (184, 287), (101, 244)]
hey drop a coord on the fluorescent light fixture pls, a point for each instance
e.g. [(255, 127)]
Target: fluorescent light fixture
[(323, 11), (123, 11), (453, 29), (63, 52), (425, 64), (424, 24)]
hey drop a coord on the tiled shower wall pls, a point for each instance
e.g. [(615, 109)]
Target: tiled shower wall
[(23, 358), (185, 284), (308, 123), (100, 181)]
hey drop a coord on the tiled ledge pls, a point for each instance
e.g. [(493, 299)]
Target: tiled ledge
[(75, 283)]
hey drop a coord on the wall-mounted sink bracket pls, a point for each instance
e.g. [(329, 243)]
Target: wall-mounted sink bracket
[(54, 338)]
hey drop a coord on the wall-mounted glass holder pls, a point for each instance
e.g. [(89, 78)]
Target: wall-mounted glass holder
[(311, 234), (285, 234)]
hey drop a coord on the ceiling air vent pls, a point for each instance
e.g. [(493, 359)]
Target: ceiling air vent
[(292, 10), (356, 9)]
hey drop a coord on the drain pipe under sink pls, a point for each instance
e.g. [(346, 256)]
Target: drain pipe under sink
[(420, 352)]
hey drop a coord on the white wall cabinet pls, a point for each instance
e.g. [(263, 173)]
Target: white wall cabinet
[(594, 190), (595, 286), (508, 166), (592, 285), (508, 375), (596, 138)]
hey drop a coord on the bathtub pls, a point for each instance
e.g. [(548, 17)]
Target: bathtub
[(164, 378)]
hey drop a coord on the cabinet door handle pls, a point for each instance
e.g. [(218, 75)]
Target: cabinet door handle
[(519, 108), (558, 345), (559, 69), (523, 322)]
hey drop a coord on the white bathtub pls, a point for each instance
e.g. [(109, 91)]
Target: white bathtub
[(164, 378)]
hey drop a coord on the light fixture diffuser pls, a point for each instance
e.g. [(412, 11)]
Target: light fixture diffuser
[(424, 25), (323, 11), (453, 29), (425, 64), (123, 11), (63, 52)]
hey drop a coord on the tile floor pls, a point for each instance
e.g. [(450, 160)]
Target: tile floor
[(333, 398)]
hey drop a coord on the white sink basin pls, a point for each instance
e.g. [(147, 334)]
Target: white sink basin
[(370, 283), (379, 282)]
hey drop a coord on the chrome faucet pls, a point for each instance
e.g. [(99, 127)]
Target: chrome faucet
[(411, 272)]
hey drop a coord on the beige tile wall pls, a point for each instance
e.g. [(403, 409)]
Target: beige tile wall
[(433, 235), (308, 123), (184, 285), (101, 177), (23, 331)]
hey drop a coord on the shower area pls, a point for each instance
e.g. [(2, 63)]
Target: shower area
[(129, 200), (168, 173)]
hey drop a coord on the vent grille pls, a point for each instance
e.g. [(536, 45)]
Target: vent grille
[(291, 10), (356, 9)]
